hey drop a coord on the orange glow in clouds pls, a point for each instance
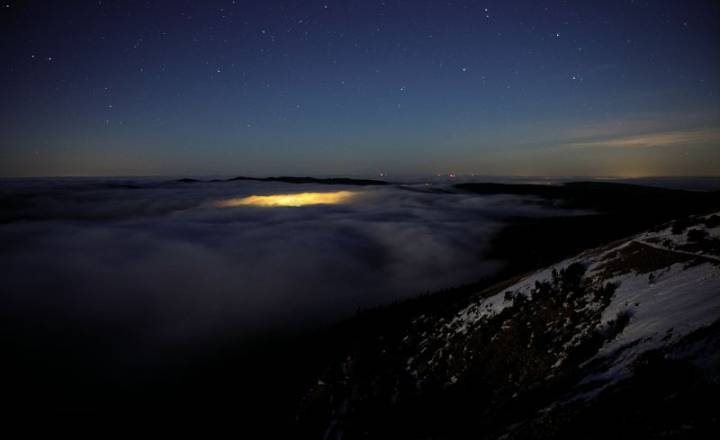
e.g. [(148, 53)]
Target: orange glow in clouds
[(300, 199)]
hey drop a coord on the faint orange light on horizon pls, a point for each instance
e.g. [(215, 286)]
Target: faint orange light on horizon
[(292, 200)]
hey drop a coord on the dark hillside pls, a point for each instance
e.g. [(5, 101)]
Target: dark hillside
[(615, 210)]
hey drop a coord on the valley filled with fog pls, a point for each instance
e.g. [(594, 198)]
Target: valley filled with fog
[(152, 265)]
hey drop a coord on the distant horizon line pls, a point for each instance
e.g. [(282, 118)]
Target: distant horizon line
[(363, 175)]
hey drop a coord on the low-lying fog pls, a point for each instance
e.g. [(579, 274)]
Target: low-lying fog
[(156, 265)]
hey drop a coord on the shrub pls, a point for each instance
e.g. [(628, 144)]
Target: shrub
[(697, 235), (712, 221)]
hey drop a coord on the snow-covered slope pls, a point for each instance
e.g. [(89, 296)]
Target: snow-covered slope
[(542, 349), (666, 285)]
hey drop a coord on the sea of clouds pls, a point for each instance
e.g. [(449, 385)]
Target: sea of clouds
[(149, 265)]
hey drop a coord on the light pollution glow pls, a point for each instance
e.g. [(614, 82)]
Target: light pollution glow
[(294, 200)]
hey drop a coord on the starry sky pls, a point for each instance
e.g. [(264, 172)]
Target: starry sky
[(332, 87)]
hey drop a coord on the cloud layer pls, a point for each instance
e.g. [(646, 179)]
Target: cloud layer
[(159, 265), (658, 139)]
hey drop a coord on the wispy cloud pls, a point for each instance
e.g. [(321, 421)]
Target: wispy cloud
[(656, 139)]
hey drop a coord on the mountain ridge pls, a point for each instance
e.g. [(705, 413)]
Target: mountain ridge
[(292, 179), (531, 359)]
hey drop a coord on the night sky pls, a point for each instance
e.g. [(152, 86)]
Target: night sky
[(331, 87)]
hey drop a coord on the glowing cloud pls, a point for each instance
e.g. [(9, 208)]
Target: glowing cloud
[(299, 199), (661, 139)]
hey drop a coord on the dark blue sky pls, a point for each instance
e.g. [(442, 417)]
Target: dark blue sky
[(624, 88)]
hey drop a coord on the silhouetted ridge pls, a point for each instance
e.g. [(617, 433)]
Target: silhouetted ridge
[(608, 196), (293, 179)]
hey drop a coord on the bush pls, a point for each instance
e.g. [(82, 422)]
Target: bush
[(712, 221), (697, 235), (680, 225)]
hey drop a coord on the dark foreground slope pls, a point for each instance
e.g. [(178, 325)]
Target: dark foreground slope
[(612, 212), (618, 341)]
